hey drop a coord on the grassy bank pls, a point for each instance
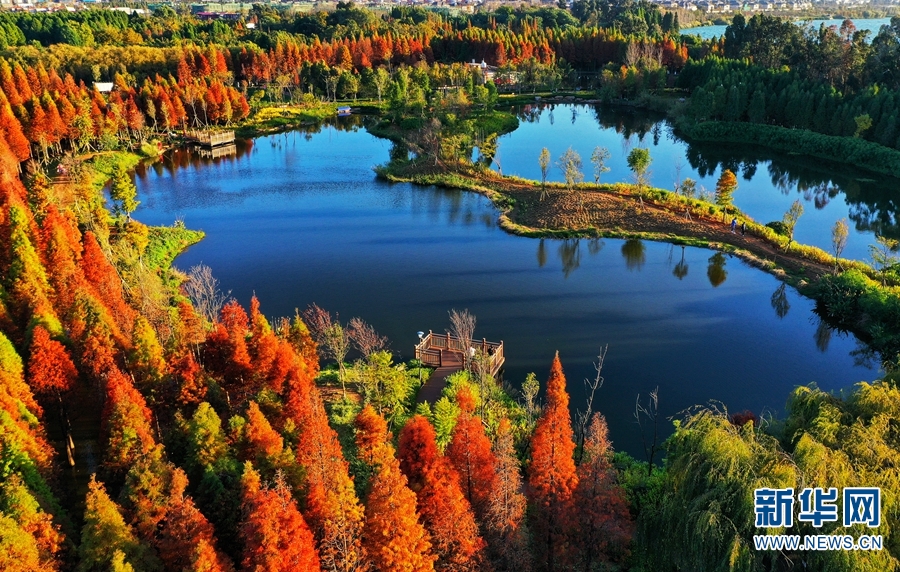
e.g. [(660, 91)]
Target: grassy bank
[(167, 242), (275, 118)]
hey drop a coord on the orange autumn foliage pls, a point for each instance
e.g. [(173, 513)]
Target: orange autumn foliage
[(444, 509), (126, 421), (275, 535), (189, 376), (602, 523), (104, 279), (264, 440), (470, 453), (332, 508), (187, 539), (371, 436), (50, 369), (551, 475), (504, 526), (393, 537)]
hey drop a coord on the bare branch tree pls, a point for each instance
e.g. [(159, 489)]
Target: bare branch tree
[(331, 337), (203, 289), (462, 326), (318, 321), (591, 385), (337, 343), (365, 338), (651, 413)]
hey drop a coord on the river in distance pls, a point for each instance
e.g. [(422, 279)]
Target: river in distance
[(299, 217), (872, 25)]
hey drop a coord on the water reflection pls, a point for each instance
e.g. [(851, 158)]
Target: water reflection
[(822, 335), (716, 270), (780, 302), (770, 181), (570, 255), (872, 202), (634, 252), (299, 222), (681, 269)]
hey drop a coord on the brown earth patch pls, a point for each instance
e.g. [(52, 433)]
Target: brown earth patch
[(586, 211)]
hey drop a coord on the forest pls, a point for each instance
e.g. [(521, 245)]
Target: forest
[(148, 422)]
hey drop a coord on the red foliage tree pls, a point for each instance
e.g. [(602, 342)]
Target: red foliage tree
[(504, 525), (393, 537), (187, 540), (470, 453), (332, 507), (551, 475), (189, 376), (602, 524), (273, 530), (50, 369), (445, 511), (106, 283), (127, 423), (226, 355)]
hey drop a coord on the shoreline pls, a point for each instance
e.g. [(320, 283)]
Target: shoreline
[(613, 211)]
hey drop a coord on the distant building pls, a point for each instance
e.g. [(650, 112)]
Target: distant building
[(104, 86)]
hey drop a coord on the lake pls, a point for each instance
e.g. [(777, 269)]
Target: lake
[(298, 218), (873, 25), (768, 182)]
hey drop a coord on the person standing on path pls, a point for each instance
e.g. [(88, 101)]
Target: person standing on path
[(743, 228), (733, 224)]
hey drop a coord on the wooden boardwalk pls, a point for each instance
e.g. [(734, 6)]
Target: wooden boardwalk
[(444, 352)]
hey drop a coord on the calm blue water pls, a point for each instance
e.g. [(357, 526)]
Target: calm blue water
[(300, 218), (873, 25), (767, 182)]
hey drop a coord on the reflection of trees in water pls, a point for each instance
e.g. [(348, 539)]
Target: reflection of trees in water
[(569, 252), (780, 301), (635, 253), (822, 335), (873, 206), (529, 113), (681, 269), (570, 255), (716, 270), (186, 157), (629, 123), (541, 253), (595, 245)]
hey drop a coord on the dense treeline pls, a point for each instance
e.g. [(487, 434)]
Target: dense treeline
[(41, 110), (831, 81), (216, 440)]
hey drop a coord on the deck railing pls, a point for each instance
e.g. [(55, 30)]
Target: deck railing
[(428, 351), (211, 139)]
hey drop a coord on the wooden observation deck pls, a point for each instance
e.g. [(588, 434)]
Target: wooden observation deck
[(446, 353), (210, 138)]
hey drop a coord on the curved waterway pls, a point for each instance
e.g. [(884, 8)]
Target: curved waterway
[(768, 182), (300, 218)]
